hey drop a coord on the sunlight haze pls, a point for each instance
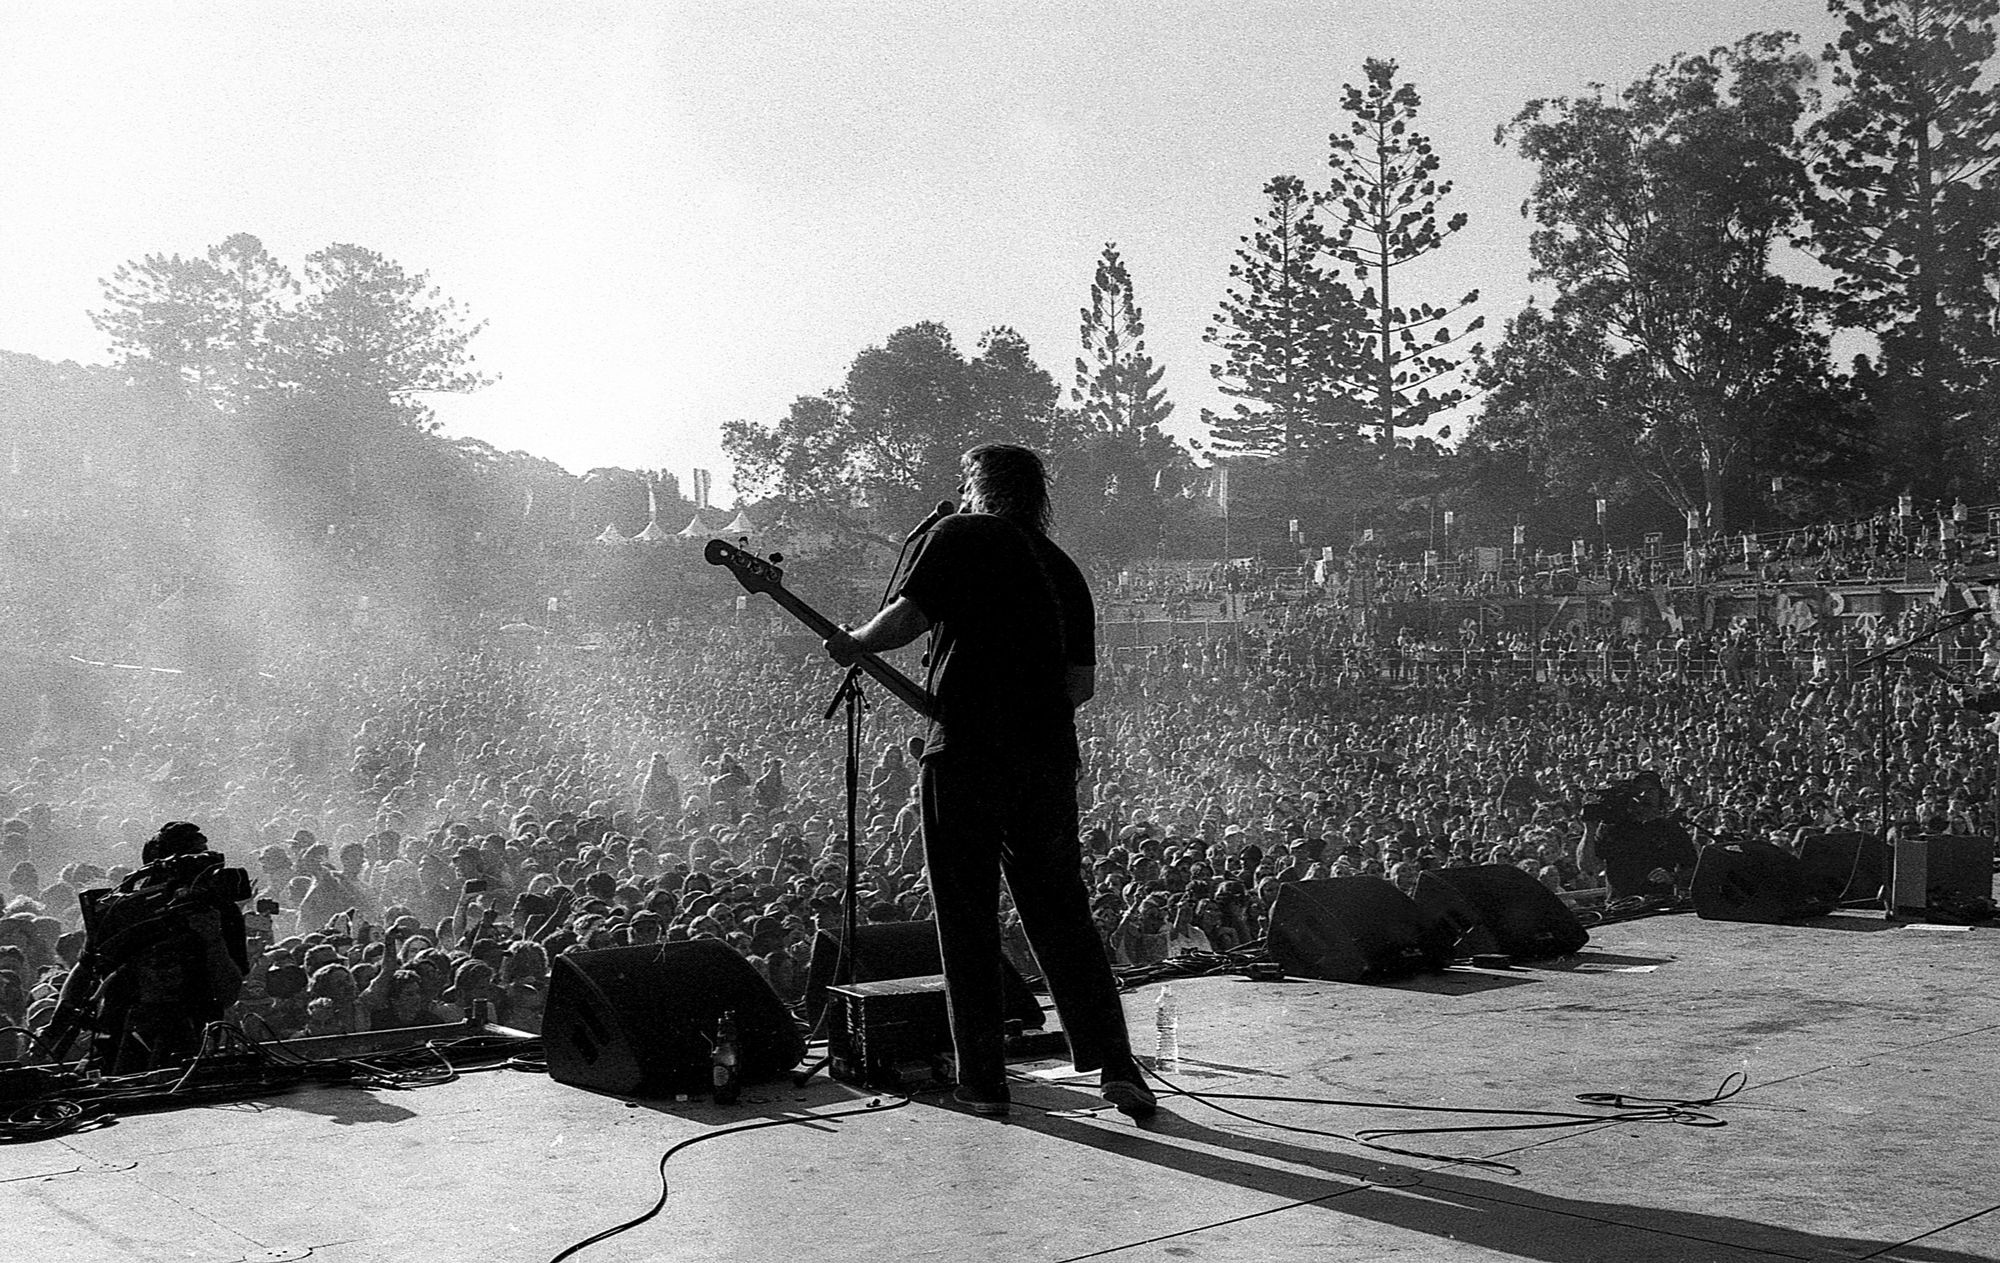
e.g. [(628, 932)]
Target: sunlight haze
[(672, 216)]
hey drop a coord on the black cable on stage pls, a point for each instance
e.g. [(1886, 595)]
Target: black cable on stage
[(276, 1042), (1192, 964), (872, 1107), (45, 1120), (1627, 1109), (233, 1065), (1632, 908), (40, 1042)]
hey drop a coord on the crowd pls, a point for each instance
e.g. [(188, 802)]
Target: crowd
[(430, 820)]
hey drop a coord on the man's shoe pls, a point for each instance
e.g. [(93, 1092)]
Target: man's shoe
[(1126, 1089), (984, 1104)]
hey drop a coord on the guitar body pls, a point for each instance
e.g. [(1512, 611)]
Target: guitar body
[(759, 575)]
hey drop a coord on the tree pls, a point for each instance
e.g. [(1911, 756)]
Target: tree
[(167, 320), (1117, 385), (914, 405), (1566, 420), (1014, 396), (204, 328), (1907, 215), (371, 333), (868, 460), (1383, 203), (802, 460), (308, 396), (1119, 495), (1555, 422), (257, 295), (1282, 334), (1119, 480), (1656, 215)]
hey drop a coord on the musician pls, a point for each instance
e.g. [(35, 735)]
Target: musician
[(1012, 655)]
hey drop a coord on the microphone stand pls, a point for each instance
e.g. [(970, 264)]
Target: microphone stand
[(1880, 660), (850, 696)]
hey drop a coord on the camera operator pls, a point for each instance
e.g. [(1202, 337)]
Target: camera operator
[(1634, 842), (164, 955)]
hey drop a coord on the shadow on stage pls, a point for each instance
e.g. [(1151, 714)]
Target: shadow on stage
[(1448, 1204)]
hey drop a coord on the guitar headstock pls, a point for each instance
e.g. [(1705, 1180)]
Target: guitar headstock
[(752, 571)]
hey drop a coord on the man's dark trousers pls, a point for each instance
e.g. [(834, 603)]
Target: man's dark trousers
[(986, 813)]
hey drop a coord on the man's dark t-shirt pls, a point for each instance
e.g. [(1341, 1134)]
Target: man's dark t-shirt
[(1010, 614)]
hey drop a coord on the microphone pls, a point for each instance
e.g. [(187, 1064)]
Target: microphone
[(944, 510)]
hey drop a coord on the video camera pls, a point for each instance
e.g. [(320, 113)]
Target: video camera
[(1620, 802), (206, 873)]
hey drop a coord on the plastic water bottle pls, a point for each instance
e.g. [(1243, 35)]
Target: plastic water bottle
[(1167, 1022), (722, 1061)]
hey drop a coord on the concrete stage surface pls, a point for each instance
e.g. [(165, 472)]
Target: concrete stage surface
[(1867, 1131)]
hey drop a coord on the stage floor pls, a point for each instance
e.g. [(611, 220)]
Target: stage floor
[(1866, 1130)]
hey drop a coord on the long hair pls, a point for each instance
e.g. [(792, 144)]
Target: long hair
[(1009, 481)]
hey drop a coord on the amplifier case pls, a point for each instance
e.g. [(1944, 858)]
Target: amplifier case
[(1953, 864), (877, 1030)]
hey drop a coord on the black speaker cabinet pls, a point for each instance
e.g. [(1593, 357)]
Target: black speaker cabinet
[(906, 949), (1841, 868), (1524, 918), (1751, 881), (1941, 867), (1353, 929), (636, 1021)]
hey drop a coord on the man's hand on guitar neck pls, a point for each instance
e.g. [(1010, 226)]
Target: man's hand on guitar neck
[(897, 625)]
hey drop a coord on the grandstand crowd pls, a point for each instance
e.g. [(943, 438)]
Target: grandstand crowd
[(437, 818)]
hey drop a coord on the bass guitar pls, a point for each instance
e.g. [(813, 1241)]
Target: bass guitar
[(759, 575)]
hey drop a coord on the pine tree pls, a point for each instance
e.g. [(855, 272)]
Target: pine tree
[(258, 290), (1281, 331), (169, 322), (371, 334), (1119, 475), (1907, 215), (1382, 207), (1117, 384)]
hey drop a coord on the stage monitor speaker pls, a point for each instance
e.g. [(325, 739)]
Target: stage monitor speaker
[(1847, 867), (1353, 929), (636, 1021), (1941, 869), (1751, 881), (1522, 918), (906, 949)]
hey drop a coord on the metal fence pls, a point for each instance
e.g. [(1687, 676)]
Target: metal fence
[(1616, 665)]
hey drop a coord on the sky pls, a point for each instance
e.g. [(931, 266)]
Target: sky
[(675, 215)]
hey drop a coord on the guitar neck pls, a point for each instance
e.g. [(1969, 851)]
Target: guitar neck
[(907, 691)]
